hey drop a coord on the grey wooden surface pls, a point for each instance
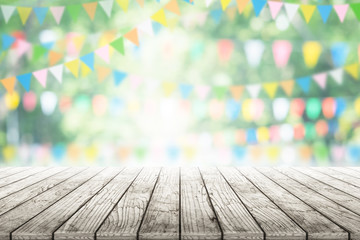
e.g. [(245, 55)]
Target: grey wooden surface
[(179, 203)]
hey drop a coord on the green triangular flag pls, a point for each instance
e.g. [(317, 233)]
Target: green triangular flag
[(74, 11), (118, 44), (220, 91), (356, 8), (38, 51)]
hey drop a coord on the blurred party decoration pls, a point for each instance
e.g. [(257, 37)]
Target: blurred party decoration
[(311, 51), (48, 101), (281, 51), (254, 50)]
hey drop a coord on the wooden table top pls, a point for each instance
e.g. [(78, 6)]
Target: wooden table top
[(179, 203)]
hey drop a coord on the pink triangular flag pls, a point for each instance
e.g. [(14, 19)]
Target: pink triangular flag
[(41, 76), (22, 47), (103, 53), (320, 79), (57, 12), (202, 91), (135, 81), (341, 11), (275, 8)]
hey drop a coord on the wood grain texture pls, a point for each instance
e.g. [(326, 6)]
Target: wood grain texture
[(161, 220), (20, 175), (43, 225), (124, 220), (347, 171), (31, 191), (14, 218), (198, 220), (11, 171), (315, 224), (274, 222), (84, 223), (348, 220), (235, 220)]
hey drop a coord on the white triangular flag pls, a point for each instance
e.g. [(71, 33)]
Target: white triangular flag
[(57, 72), (337, 75), (291, 9), (7, 12), (146, 27), (107, 6), (208, 2), (253, 89)]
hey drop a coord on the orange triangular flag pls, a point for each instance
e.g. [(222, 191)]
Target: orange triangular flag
[(9, 84), (288, 86), (102, 72), (54, 57), (236, 91), (90, 9), (173, 6), (132, 36), (140, 2), (241, 5)]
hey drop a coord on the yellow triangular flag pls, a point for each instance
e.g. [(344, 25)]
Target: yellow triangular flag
[(288, 86), (85, 70), (173, 6), (9, 84), (353, 70), (160, 17), (173, 22), (224, 4), (168, 88), (270, 88), (124, 4), (311, 51), (308, 11), (73, 67), (24, 13)]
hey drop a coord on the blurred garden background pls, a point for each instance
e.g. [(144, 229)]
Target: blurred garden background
[(179, 82)]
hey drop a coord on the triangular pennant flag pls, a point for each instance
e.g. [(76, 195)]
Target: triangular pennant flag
[(270, 88), (124, 4), (241, 5), (41, 76), (107, 6), (168, 88), (73, 11), (341, 11), (185, 90), (202, 91), (160, 17), (9, 84), (173, 7), (103, 53), (119, 77), (356, 9), (85, 70), (140, 2), (57, 13), (118, 44), (57, 72), (22, 47), (7, 41), (308, 11), (25, 80), (40, 13), (291, 9), (324, 11), (236, 91), (216, 15), (225, 4), (7, 12), (208, 2), (102, 72), (274, 8), (304, 83), (146, 27), (220, 91), (73, 67), (90, 9), (337, 75), (320, 79), (353, 70), (132, 36), (38, 51), (54, 57), (258, 6), (254, 90), (24, 13), (287, 86), (88, 59)]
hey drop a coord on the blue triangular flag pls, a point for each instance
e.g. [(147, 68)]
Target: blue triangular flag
[(324, 11), (25, 80), (185, 90), (304, 83), (258, 6), (188, 1), (7, 41), (339, 53), (216, 15), (40, 13), (88, 59), (48, 45), (232, 109), (119, 77)]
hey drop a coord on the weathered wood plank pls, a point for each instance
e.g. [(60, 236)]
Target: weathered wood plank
[(198, 220), (343, 174), (348, 220), (161, 219), (20, 175), (124, 220), (14, 218), (84, 223), (235, 220), (274, 222), (25, 194), (43, 225), (315, 224), (11, 171)]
